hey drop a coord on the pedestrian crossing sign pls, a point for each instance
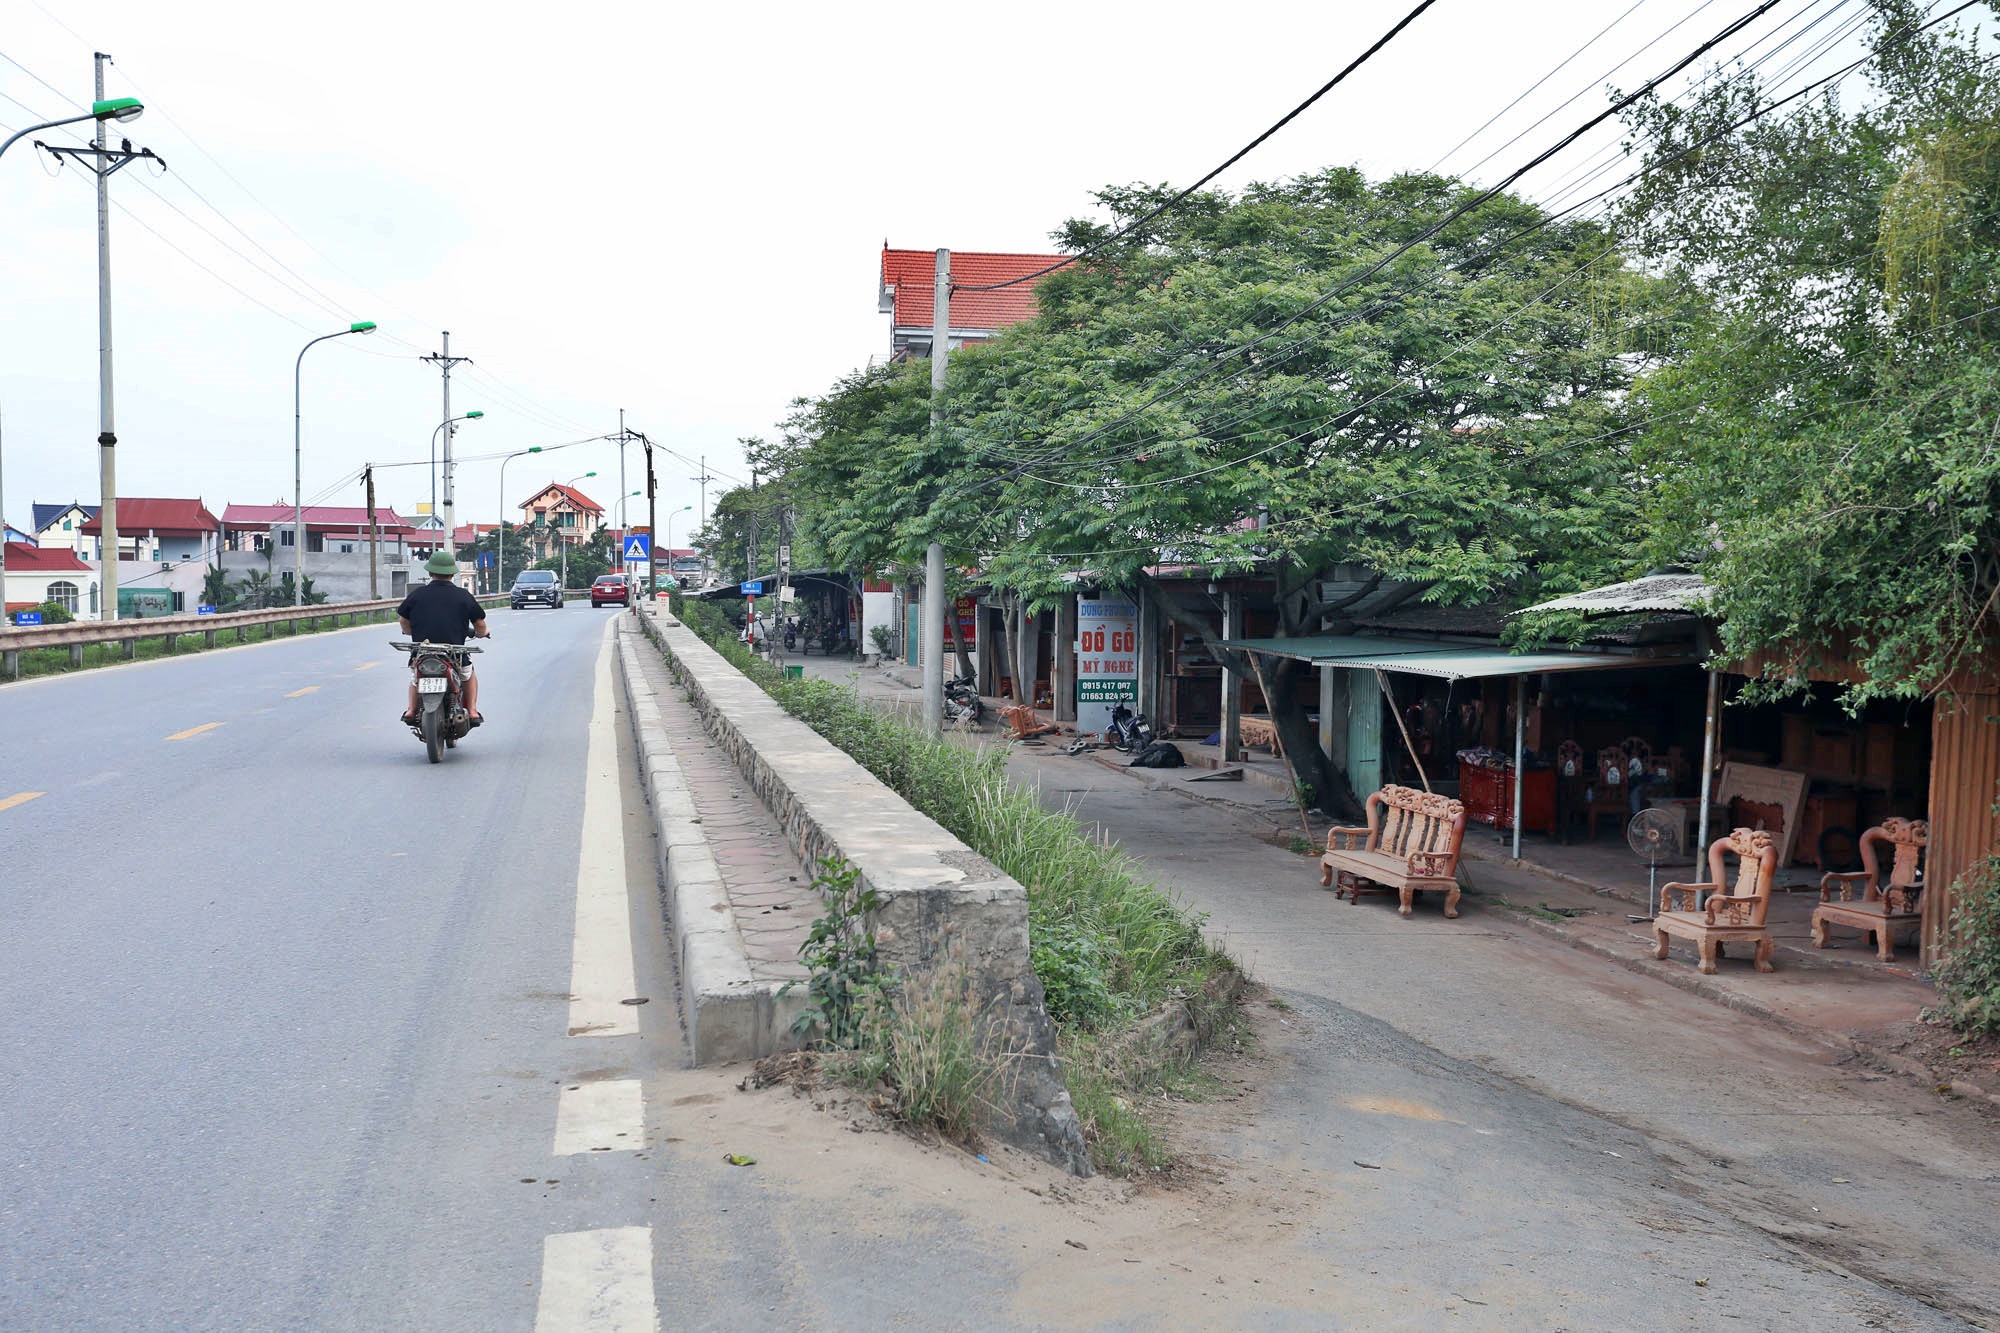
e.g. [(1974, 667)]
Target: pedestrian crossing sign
[(638, 546)]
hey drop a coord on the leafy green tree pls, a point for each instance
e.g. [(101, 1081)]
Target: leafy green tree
[(1449, 415), (1824, 446)]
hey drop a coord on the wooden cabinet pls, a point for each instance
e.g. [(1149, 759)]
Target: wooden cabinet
[(1488, 794)]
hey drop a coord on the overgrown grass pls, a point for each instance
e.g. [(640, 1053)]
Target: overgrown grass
[(55, 661), (1968, 980), (1108, 946)]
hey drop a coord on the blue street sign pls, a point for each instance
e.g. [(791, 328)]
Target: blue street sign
[(752, 589), (639, 546), (486, 559), (204, 610), (27, 617)]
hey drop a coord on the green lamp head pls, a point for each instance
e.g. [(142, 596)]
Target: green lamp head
[(362, 326), (474, 415), (118, 108), (534, 448)]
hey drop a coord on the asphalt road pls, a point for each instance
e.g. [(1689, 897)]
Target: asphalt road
[(287, 1007)]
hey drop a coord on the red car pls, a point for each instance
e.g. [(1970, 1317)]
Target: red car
[(610, 588)]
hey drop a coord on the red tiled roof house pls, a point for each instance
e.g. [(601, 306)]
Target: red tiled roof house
[(909, 283)]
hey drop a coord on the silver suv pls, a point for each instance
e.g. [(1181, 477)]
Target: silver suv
[(537, 587)]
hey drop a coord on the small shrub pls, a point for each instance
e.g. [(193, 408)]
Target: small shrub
[(840, 953), (55, 613), (884, 641), (1968, 980)]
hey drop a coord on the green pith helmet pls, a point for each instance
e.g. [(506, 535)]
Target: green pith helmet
[(442, 565)]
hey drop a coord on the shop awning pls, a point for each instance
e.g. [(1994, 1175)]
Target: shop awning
[(1447, 661)]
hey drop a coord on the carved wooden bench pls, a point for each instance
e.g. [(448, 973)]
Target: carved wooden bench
[(1726, 918), (1877, 912), (1411, 844)]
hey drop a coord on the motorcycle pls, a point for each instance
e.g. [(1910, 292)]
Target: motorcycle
[(791, 635), (439, 669), (1129, 731), (962, 702)]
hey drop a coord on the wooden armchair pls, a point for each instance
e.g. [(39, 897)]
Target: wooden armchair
[(1876, 912), (1726, 917), (1411, 844), (1608, 791)]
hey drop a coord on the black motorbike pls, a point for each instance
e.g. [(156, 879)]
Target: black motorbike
[(1129, 731), (962, 702)]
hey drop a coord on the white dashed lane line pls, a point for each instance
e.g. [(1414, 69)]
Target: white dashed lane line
[(600, 1281), (608, 1116)]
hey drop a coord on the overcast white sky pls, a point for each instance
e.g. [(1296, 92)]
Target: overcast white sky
[(674, 209)]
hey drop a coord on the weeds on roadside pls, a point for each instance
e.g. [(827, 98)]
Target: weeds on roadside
[(1968, 980), (926, 1047), (845, 978)]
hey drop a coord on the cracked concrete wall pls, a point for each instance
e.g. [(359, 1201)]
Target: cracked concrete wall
[(945, 902)]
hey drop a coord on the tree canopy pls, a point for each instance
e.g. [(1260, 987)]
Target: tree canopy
[(1826, 444)]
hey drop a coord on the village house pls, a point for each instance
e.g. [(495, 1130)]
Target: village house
[(559, 513)]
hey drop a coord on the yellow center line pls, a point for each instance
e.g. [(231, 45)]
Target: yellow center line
[(194, 731), (366, 665), (307, 690), (19, 798)]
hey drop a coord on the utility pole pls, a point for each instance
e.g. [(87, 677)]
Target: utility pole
[(445, 361), (652, 525), (374, 537), (934, 591), (702, 518), (103, 161)]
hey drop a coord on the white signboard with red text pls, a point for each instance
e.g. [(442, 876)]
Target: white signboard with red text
[(1107, 661)]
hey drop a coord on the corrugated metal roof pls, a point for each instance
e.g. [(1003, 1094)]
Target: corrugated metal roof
[(1449, 661), (1655, 592)]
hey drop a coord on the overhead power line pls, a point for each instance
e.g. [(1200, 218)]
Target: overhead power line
[(1234, 158)]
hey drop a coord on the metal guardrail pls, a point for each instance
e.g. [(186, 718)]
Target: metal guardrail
[(80, 634)]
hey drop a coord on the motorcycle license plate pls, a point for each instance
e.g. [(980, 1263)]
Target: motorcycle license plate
[(431, 684)]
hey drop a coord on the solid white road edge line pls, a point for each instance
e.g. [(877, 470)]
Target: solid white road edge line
[(601, 969), (600, 1281), (597, 1117)]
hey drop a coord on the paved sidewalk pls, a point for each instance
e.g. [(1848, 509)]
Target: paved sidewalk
[(771, 893)]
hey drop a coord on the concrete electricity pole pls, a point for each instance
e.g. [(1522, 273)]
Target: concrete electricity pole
[(102, 161), (701, 518), (444, 361), (374, 537), (934, 591)]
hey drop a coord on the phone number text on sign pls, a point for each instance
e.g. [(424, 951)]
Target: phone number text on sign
[(1107, 660)]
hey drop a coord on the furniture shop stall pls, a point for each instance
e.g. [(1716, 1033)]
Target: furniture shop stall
[(1383, 676)]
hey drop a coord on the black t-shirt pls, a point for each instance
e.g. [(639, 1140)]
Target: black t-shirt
[(441, 612)]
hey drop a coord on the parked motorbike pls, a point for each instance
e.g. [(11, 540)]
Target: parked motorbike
[(439, 668), (962, 701), (1129, 731)]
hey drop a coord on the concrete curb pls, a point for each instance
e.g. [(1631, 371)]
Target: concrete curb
[(945, 906), (730, 1015)]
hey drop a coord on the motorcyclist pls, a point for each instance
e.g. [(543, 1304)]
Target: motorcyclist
[(442, 612)]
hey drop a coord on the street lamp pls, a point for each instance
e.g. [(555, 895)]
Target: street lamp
[(670, 543), (298, 493), (563, 542), (118, 108), (500, 533), (469, 416)]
